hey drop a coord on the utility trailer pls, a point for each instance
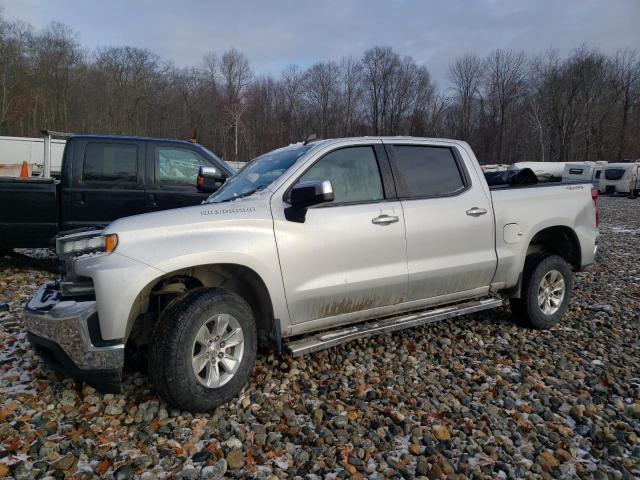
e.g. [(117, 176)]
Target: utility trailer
[(14, 151)]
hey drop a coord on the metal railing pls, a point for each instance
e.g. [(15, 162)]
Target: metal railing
[(48, 135)]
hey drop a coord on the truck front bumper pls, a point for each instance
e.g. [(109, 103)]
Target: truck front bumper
[(59, 330)]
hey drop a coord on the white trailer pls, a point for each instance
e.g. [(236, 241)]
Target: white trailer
[(622, 178), (585, 172), (495, 167), (16, 150)]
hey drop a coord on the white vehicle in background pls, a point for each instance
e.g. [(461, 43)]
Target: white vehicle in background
[(622, 178), (495, 167), (545, 171), (16, 150), (591, 172)]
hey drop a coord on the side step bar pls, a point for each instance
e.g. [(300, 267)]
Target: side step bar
[(320, 341)]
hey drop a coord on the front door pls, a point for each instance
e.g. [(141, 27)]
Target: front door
[(449, 221), (348, 255)]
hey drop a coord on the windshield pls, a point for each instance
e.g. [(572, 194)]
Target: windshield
[(258, 174), (614, 173)]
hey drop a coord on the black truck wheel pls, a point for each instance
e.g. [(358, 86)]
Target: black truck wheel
[(202, 349), (546, 290)]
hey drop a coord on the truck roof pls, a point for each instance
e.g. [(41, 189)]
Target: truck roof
[(131, 138), (384, 138)]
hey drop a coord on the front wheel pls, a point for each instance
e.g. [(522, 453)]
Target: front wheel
[(546, 290), (202, 349)]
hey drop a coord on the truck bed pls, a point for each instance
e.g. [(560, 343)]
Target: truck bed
[(524, 210), (506, 186)]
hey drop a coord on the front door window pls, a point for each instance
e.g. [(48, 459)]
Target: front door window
[(177, 166)]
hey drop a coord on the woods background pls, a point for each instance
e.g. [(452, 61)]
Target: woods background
[(510, 106)]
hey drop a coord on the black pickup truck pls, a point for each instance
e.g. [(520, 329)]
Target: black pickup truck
[(103, 178)]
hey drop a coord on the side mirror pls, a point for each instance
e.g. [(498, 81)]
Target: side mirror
[(209, 179), (305, 195)]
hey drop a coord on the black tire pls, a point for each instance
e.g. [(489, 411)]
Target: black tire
[(526, 310), (172, 343)]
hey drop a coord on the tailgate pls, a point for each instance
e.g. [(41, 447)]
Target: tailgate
[(29, 212)]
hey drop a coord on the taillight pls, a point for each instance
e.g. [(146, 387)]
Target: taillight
[(594, 196)]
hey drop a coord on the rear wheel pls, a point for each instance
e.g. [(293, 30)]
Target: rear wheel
[(203, 349), (546, 290)]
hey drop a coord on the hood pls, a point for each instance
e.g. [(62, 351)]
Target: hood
[(255, 207)]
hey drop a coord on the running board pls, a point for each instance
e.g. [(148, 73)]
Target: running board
[(320, 341)]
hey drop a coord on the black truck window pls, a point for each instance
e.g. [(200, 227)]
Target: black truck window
[(426, 171), (107, 161), (177, 166)]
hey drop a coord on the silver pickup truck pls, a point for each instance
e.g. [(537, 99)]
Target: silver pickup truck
[(307, 247)]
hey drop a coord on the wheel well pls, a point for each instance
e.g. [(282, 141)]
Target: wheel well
[(558, 240), (231, 277)]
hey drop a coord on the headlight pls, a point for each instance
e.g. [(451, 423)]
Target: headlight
[(86, 243)]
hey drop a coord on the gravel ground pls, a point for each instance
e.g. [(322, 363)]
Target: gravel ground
[(470, 397)]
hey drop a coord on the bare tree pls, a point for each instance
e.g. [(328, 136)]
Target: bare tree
[(626, 66), (379, 65), (235, 72), (293, 92), (128, 78), (504, 77), (321, 91), (466, 74), (350, 85)]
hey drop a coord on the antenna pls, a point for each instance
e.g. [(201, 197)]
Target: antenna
[(310, 138)]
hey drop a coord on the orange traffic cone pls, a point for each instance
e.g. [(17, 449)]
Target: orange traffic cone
[(24, 171)]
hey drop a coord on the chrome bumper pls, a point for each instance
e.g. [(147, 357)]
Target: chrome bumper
[(65, 324)]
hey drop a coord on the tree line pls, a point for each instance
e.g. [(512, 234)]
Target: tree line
[(510, 106)]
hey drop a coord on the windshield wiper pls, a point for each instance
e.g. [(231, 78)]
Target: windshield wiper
[(248, 193)]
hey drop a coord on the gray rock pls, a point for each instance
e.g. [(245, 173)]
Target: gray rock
[(189, 472), (215, 471), (125, 472)]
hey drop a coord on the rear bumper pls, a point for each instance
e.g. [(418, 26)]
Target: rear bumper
[(59, 331)]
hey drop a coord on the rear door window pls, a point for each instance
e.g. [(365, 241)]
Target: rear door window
[(110, 162), (427, 171)]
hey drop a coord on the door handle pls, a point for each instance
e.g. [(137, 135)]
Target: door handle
[(476, 212), (384, 220)]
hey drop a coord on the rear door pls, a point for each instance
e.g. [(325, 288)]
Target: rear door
[(448, 218), (348, 256), (107, 181), (171, 175)]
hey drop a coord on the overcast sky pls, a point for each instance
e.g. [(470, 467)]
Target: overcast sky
[(274, 34)]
